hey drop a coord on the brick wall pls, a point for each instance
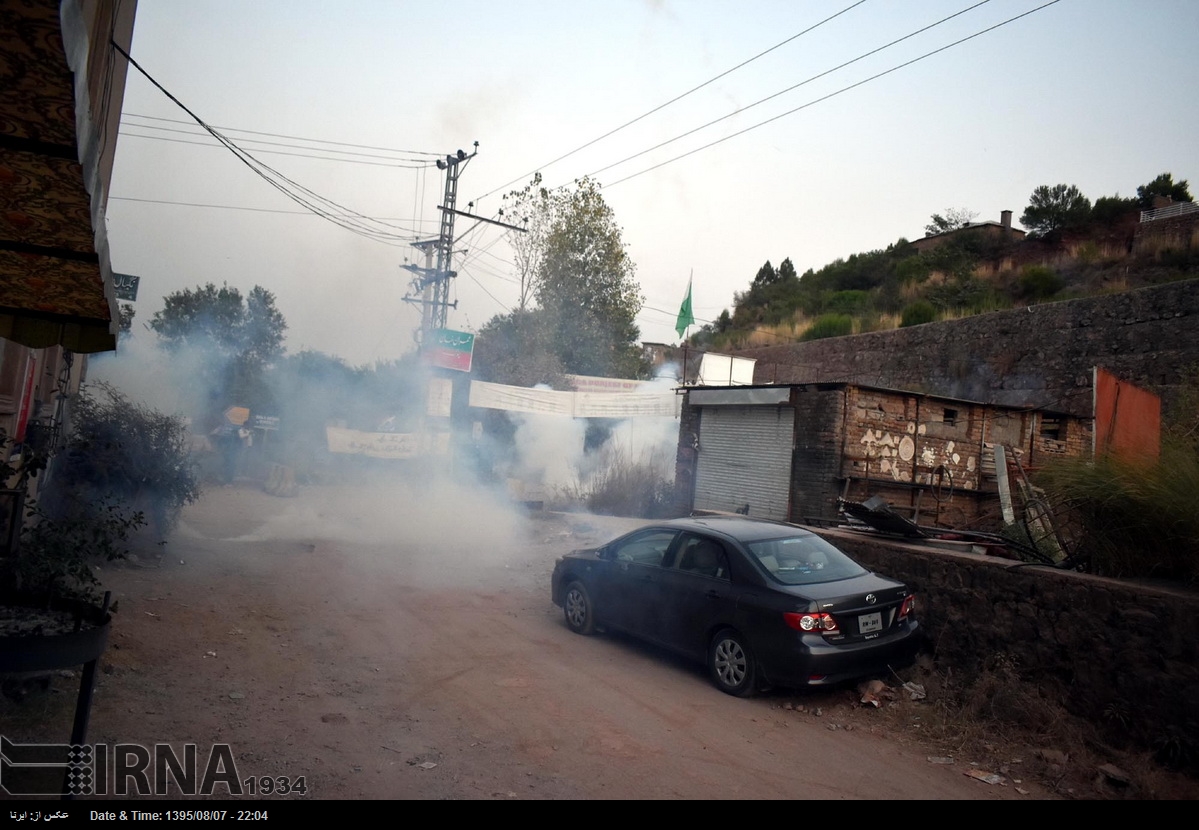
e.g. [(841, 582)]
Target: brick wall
[(815, 462)]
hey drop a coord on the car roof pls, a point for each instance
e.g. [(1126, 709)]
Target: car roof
[(741, 528)]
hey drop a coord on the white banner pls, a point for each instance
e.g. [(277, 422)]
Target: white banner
[(441, 394), (386, 444), (573, 404)]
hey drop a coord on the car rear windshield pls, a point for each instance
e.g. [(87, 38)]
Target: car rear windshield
[(804, 560)]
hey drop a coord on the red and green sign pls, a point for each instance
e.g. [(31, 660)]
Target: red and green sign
[(450, 349)]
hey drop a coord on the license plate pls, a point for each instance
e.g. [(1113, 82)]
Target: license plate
[(869, 623)]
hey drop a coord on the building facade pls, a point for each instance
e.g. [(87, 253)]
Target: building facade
[(791, 452)]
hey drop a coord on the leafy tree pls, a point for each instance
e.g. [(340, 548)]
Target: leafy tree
[(1108, 209), (952, 220), (586, 292), (219, 318), (238, 337), (1055, 208), (1163, 185), (517, 348), (766, 276)]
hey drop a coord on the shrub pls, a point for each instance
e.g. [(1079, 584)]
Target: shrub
[(1039, 283), (918, 313), (829, 325), (124, 452)]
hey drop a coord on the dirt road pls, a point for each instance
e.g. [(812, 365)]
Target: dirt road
[(386, 643)]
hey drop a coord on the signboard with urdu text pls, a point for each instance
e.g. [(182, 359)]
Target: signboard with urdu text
[(449, 349)]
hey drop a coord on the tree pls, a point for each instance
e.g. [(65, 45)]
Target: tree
[(1163, 185), (1052, 209), (584, 285), (236, 338), (530, 208), (517, 348), (766, 276), (954, 219), (1110, 209)]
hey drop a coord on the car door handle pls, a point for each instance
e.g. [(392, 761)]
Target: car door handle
[(712, 594)]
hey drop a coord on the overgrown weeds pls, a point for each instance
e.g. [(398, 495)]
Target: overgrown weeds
[(624, 485), (1136, 519)]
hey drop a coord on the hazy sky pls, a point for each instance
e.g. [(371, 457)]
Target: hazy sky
[(1096, 93)]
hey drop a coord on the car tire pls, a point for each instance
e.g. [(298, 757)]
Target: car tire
[(578, 609), (731, 665)]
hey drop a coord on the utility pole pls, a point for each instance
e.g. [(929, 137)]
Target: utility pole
[(431, 285)]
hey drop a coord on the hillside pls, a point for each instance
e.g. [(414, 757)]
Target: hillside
[(969, 271)]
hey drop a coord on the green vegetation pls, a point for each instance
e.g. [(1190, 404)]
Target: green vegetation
[(1073, 249), (121, 462), (1039, 283), (919, 312), (574, 263), (1138, 518), (1056, 208), (829, 325)]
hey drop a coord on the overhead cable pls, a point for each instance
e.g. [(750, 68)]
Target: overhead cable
[(673, 100), (791, 88), (833, 94)]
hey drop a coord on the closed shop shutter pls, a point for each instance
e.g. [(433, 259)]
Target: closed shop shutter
[(745, 458)]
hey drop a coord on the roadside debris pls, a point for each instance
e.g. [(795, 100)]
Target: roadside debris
[(940, 759), (873, 692), (985, 777)]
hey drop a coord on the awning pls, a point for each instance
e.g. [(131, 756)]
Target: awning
[(56, 285)]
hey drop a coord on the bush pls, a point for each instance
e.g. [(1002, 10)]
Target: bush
[(1039, 283), (918, 313), (124, 453), (829, 325)]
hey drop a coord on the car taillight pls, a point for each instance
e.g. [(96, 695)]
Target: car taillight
[(908, 607), (809, 622)]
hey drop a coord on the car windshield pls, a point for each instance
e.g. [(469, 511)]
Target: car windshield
[(804, 560)]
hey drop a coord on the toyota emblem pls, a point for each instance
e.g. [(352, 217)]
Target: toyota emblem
[(871, 599)]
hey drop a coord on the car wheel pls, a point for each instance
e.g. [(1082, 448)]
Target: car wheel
[(576, 605), (732, 666)]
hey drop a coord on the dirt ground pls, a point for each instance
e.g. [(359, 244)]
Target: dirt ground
[(387, 642)]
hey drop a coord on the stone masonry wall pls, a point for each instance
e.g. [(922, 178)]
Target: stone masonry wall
[(1112, 652), (1040, 357)]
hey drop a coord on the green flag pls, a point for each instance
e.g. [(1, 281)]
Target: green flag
[(686, 318)]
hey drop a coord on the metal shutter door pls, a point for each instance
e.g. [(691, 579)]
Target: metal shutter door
[(745, 458)]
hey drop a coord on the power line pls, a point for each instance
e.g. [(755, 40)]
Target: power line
[(125, 132), (433, 155), (349, 219), (674, 100), (791, 88), (414, 231), (834, 94)]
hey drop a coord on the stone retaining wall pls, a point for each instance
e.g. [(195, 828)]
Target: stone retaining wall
[(1113, 651), (1040, 356)]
